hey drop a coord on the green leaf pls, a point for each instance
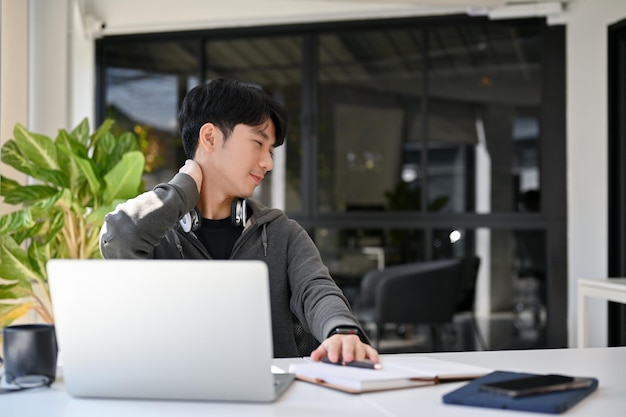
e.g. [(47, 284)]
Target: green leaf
[(123, 181), (105, 153), (7, 291), (11, 222), (28, 223), (42, 208), (87, 168), (11, 312), (54, 227), (8, 185), (29, 194), (14, 263), (104, 128), (38, 255), (68, 149), (30, 233), (70, 145), (110, 149), (13, 156), (38, 149), (127, 142), (81, 132), (96, 217)]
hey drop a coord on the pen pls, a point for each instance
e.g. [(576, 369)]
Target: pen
[(356, 364)]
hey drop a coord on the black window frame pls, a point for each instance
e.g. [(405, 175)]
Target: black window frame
[(616, 89)]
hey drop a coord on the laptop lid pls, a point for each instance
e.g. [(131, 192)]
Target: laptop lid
[(166, 329)]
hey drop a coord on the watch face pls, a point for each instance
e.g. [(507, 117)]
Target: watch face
[(344, 330), (350, 330)]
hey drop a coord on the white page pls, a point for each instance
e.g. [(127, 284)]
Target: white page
[(360, 378), (435, 367)]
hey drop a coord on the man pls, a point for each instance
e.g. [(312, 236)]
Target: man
[(229, 133)]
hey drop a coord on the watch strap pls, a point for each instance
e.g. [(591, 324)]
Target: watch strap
[(349, 330)]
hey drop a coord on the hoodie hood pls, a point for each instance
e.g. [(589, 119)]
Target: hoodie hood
[(261, 217)]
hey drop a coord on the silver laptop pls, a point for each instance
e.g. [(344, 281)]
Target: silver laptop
[(165, 329)]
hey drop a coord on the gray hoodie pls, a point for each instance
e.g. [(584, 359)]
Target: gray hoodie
[(302, 292)]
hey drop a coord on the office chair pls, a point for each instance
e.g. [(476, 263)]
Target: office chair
[(467, 294), (305, 341), (414, 293)]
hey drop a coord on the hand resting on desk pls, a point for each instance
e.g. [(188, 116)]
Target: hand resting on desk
[(348, 347)]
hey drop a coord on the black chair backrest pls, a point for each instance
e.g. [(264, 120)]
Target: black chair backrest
[(424, 292), (305, 341), (467, 286), (372, 279)]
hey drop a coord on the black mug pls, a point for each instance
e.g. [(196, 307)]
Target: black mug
[(30, 355)]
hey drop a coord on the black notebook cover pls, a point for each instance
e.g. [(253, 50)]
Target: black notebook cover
[(552, 403)]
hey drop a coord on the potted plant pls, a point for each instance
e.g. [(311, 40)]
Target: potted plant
[(77, 179)]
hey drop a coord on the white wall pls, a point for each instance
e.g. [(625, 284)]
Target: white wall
[(47, 66), (138, 16), (81, 64), (587, 131), (49, 70), (13, 76)]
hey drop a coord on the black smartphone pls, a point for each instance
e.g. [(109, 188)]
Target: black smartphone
[(538, 384)]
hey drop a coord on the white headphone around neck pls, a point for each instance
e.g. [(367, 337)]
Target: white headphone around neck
[(190, 222), (238, 212)]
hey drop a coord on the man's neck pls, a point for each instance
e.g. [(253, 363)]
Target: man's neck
[(215, 210)]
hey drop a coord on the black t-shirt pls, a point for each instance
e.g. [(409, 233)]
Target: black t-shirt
[(219, 236)]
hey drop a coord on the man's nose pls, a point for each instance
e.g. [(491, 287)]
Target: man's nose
[(267, 162)]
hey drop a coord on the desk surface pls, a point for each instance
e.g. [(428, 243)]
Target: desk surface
[(303, 399)]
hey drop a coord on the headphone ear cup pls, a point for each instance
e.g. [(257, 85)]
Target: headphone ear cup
[(195, 220), (190, 221), (238, 212), (235, 207), (185, 223)]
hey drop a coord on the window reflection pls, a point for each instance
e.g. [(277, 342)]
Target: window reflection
[(142, 101), (512, 265), (145, 82), (418, 103)]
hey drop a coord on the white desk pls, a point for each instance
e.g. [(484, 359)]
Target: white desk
[(610, 289), (303, 399)]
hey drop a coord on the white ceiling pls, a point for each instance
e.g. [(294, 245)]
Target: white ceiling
[(140, 16)]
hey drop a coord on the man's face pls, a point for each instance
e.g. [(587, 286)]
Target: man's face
[(244, 158)]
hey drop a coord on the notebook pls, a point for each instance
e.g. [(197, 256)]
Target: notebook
[(550, 403), (165, 329), (396, 372)]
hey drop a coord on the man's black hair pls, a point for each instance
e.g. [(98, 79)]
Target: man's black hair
[(227, 103)]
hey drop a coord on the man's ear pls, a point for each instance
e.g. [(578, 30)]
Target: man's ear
[(206, 137)]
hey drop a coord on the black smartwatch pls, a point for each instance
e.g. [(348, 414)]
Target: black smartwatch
[(348, 330)]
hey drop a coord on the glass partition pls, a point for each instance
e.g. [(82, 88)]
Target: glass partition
[(512, 275), (146, 81), (419, 112)]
